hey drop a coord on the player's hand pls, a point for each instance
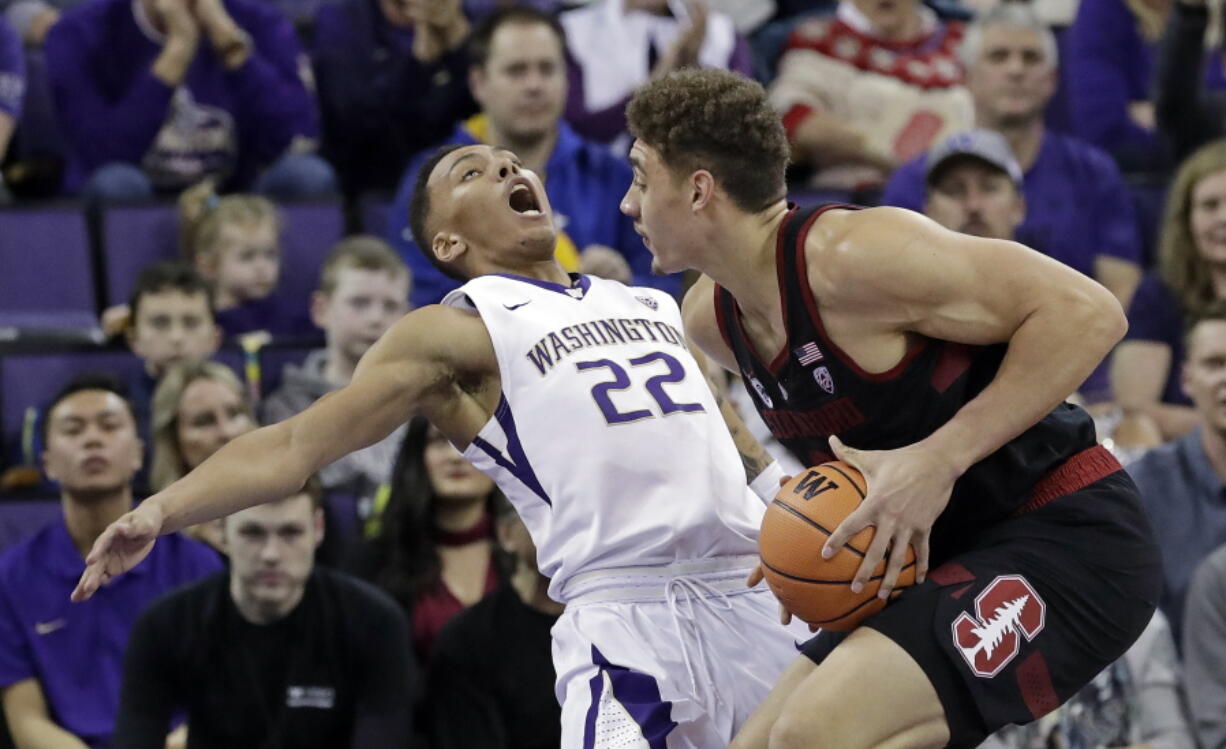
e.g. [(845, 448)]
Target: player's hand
[(785, 617), (121, 547), (604, 262), (178, 19), (907, 489)]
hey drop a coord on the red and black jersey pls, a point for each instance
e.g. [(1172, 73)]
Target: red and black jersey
[(812, 389)]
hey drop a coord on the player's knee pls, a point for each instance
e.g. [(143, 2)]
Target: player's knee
[(796, 729)]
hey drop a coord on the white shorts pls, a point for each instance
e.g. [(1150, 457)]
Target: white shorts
[(672, 657)]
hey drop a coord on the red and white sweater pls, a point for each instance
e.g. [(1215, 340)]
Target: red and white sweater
[(904, 96)]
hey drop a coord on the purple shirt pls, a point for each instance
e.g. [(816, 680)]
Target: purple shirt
[(1108, 64), (113, 109), (1077, 206), (75, 650), (277, 313), (1154, 316), (12, 72)]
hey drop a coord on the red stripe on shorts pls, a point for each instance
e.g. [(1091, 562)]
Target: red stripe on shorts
[(1077, 472)]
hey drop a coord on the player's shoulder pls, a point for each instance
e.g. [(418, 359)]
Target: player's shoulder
[(698, 306), (843, 239), (446, 335)]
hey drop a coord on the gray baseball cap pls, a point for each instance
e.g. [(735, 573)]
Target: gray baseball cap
[(986, 145)]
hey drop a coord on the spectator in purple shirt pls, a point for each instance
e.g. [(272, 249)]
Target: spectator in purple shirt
[(392, 77), (61, 663), (1188, 116), (12, 87), (614, 46), (1112, 48), (154, 95), (1078, 210)]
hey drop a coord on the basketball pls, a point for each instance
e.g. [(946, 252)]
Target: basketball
[(798, 521)]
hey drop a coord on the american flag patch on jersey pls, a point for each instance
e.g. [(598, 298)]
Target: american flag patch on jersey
[(808, 353)]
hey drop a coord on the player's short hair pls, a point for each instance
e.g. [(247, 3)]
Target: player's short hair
[(481, 39), (1014, 16), (87, 381), (718, 121), (419, 212), (361, 252), (168, 276)]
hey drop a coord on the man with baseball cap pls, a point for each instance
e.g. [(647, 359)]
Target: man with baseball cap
[(974, 185)]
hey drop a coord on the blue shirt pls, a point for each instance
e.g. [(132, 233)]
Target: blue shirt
[(1077, 206), (584, 181), (75, 650), (1186, 503)]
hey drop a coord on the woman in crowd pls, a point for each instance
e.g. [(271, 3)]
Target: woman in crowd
[(433, 549), (1191, 273), (197, 408)]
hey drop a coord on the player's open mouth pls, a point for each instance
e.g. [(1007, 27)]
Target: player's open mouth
[(523, 199)]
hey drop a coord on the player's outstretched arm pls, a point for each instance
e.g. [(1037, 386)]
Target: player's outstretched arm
[(883, 271), (413, 369)]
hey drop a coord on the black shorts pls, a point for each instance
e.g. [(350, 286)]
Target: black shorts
[(1030, 610)]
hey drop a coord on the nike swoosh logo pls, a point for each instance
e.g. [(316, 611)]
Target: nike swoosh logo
[(46, 628), (514, 307)]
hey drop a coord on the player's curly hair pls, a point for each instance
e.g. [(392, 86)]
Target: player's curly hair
[(718, 121)]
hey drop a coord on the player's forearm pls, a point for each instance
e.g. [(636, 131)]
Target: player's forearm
[(260, 466), (1049, 356)]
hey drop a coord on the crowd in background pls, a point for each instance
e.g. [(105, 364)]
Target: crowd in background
[(395, 601)]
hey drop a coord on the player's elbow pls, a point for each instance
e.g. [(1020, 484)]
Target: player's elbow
[(1093, 314)]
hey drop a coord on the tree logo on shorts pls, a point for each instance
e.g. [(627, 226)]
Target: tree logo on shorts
[(1007, 608)]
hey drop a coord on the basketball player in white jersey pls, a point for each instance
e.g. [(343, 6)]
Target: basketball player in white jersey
[(579, 396)]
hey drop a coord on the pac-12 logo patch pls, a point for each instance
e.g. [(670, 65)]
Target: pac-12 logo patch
[(821, 375), (1006, 610), (651, 303)]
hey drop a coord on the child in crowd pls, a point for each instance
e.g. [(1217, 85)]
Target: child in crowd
[(234, 242), (363, 290)]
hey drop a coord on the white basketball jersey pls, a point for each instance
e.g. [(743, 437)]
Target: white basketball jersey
[(606, 439)]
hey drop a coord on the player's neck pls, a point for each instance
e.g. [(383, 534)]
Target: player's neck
[(544, 270), (742, 259), (1024, 136), (87, 517)]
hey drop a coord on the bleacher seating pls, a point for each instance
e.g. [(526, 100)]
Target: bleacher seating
[(47, 264)]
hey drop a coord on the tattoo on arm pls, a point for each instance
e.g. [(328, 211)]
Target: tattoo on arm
[(754, 465), (753, 456)]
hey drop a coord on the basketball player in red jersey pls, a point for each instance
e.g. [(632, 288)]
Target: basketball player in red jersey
[(938, 365)]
